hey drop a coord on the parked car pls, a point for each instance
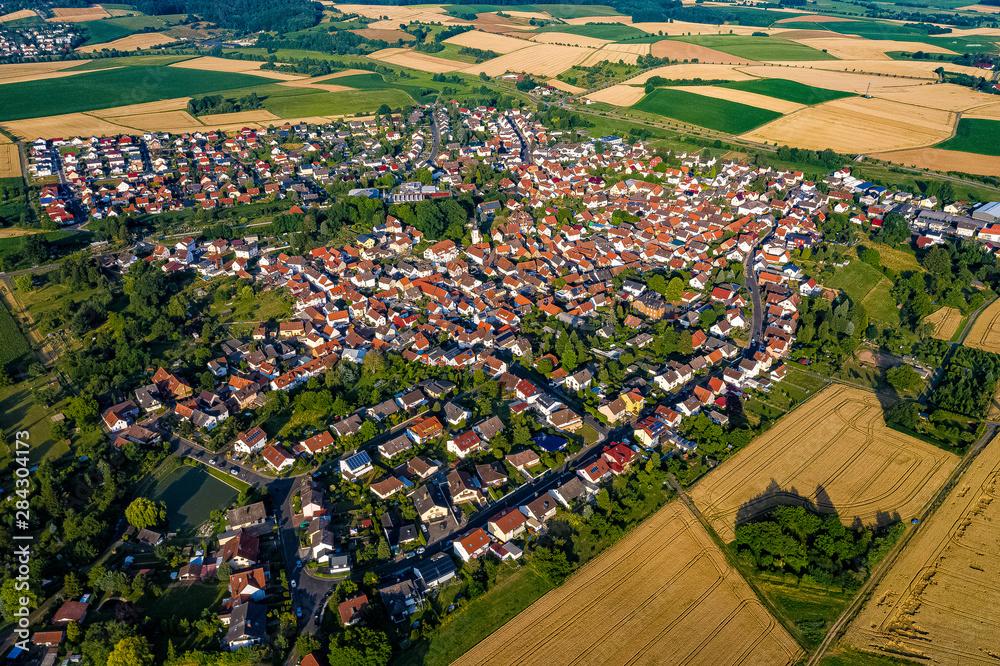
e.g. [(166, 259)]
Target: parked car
[(298, 564), (420, 551), (298, 612), (212, 461), (234, 471)]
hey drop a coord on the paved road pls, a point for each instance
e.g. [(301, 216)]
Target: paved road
[(750, 280), (879, 572), (435, 137)]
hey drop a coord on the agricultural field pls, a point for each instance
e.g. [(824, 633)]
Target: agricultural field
[(662, 594), (114, 87), (765, 49), (335, 103), (142, 40), (943, 160), (77, 14), (741, 97), (539, 59), (618, 95), (791, 91), (945, 322), (112, 29), (869, 49), (834, 453), (880, 304), (34, 71), (10, 161), (612, 32), (932, 603), (684, 51), (985, 333), (488, 41), (975, 135), (717, 114)]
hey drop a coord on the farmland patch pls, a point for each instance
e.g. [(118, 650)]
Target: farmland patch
[(717, 114), (975, 135)]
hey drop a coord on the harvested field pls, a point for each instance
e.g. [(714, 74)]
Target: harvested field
[(619, 95), (934, 603), (602, 55), (989, 111), (10, 161), (35, 71), (985, 333), (834, 452), (562, 85), (743, 97), (415, 60), (916, 69), (19, 14), (947, 96), (938, 159), (635, 49), (397, 15), (684, 27), (847, 48), (488, 41), (387, 35), (68, 124), (77, 14), (683, 51), (584, 20), (165, 121), (491, 22), (859, 125), (692, 71), (142, 40), (945, 321), (541, 59), (985, 9), (663, 594), (567, 39), (821, 78), (213, 64), (175, 104)]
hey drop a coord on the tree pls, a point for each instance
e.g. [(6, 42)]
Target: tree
[(360, 646), (82, 409), (132, 651), (144, 512), (24, 282), (224, 571), (903, 378), (71, 586), (306, 644), (674, 289), (11, 598), (383, 550)]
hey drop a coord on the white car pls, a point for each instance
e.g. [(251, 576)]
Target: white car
[(295, 583)]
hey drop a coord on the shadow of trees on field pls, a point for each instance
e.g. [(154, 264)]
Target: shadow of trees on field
[(774, 496)]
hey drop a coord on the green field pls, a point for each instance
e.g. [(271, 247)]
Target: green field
[(975, 135), (20, 411), (128, 61), (757, 48), (852, 657), (116, 87), (792, 91), (191, 494), (857, 279), (335, 103), (717, 114), (880, 304), (14, 349), (556, 11), (810, 609), (108, 30), (612, 31)]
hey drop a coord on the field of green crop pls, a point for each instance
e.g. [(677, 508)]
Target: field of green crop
[(128, 61), (611, 31), (108, 30), (717, 114), (14, 349), (975, 135), (115, 87), (757, 48), (335, 103), (792, 91)]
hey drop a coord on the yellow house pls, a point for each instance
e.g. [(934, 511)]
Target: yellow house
[(634, 401)]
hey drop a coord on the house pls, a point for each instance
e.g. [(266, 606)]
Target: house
[(489, 428), (572, 491), (356, 465), (594, 473), (240, 551), (472, 544), (70, 611), (522, 460), (579, 380), (436, 571), (507, 525), (120, 416), (245, 516), (386, 487), (248, 585), (425, 429), (492, 474), (455, 414), (350, 609), (278, 458), (247, 626), (317, 442), (461, 487), (541, 508), (619, 457), (347, 426), (401, 598), (48, 638), (395, 446), (464, 444), (252, 440), (428, 508)]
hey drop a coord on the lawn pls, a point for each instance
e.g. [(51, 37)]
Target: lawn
[(267, 305), (15, 351), (115, 87), (611, 31), (880, 304), (335, 103), (975, 135), (710, 112), (19, 411), (485, 615), (895, 258), (757, 48), (183, 601), (108, 30), (59, 241), (191, 494), (856, 278), (792, 91)]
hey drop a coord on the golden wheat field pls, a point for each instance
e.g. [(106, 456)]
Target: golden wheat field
[(834, 80), (541, 59), (173, 104), (947, 96), (663, 594), (262, 116), (35, 71), (78, 14), (937, 159), (562, 85), (868, 49), (834, 452), (583, 20), (936, 603), (985, 333), (177, 122), (618, 95), (945, 321), (608, 55), (859, 125), (421, 61), (488, 41), (569, 40), (692, 71), (19, 14), (213, 64), (142, 40), (69, 124), (986, 9), (10, 161)]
